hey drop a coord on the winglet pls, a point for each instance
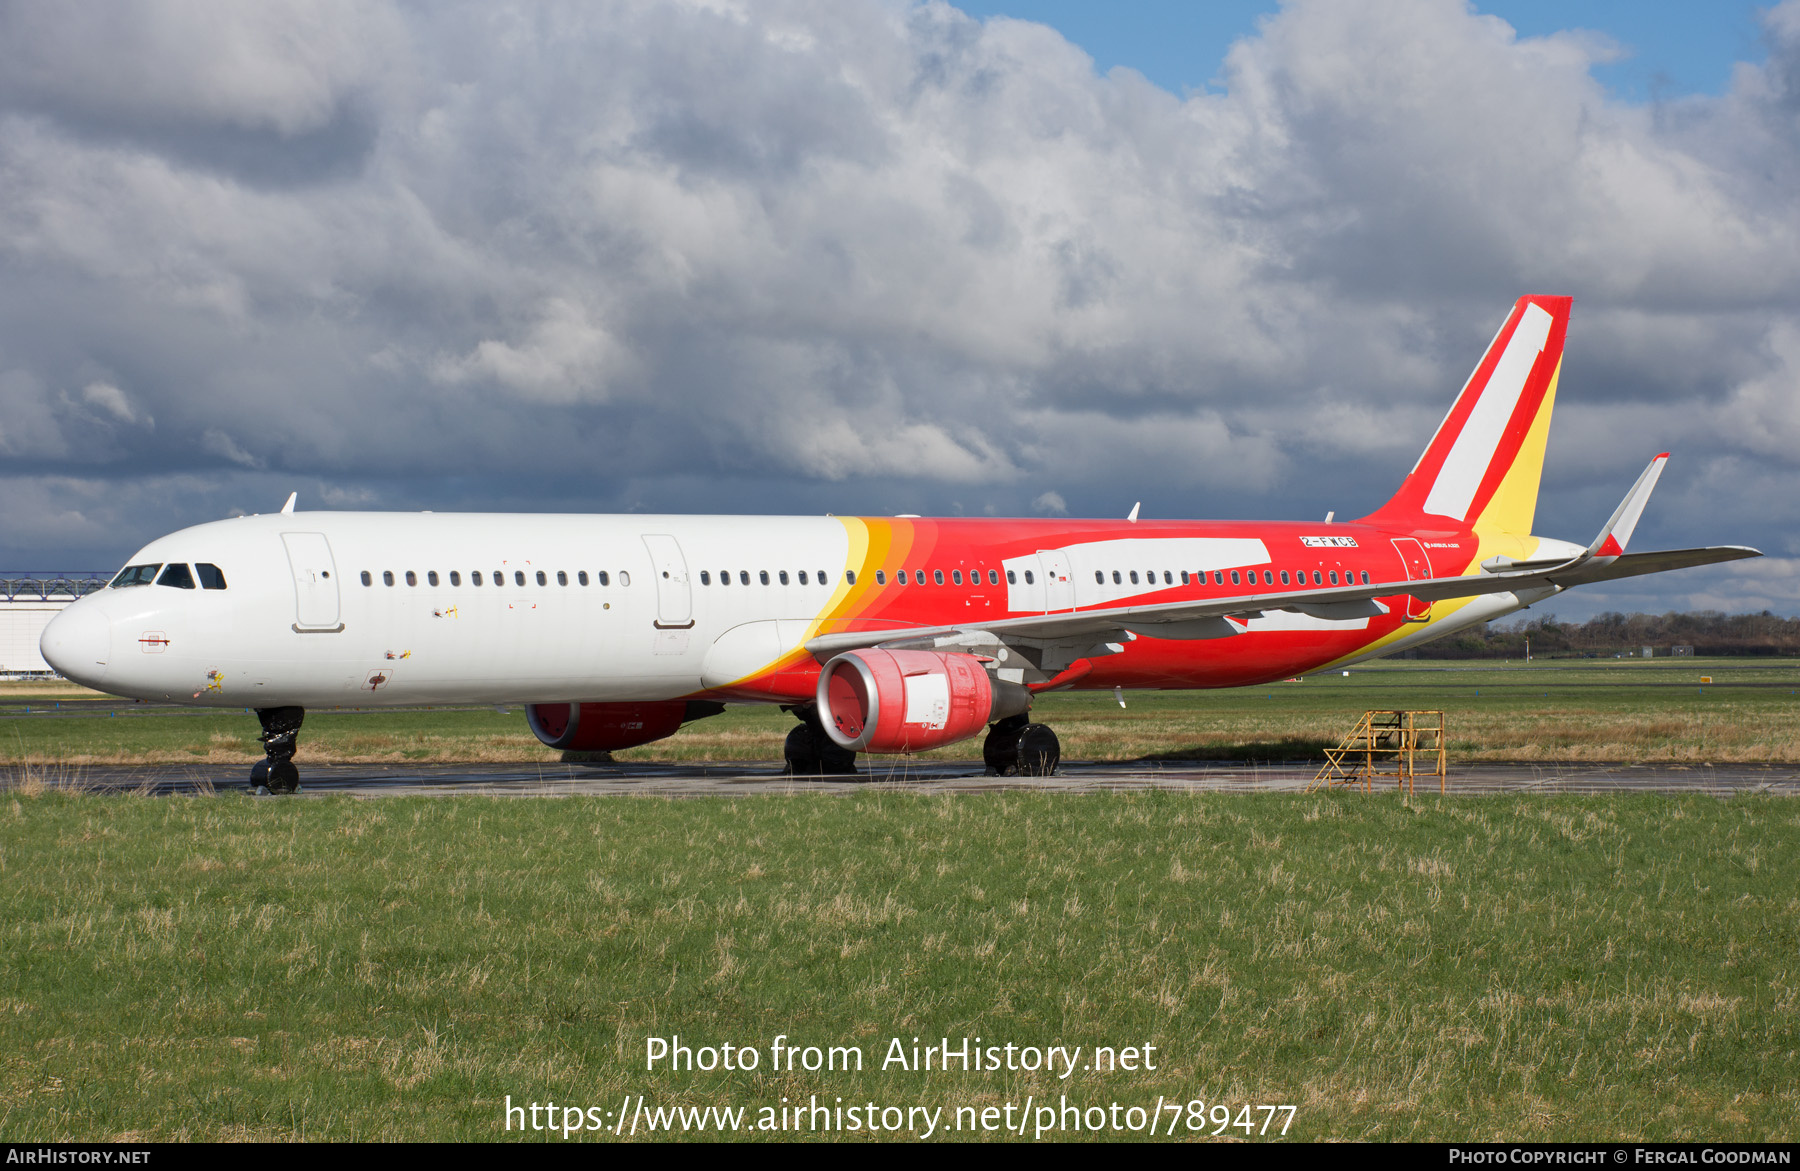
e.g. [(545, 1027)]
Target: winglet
[(289, 506), (1617, 534)]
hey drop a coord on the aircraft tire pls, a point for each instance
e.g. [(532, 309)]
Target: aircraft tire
[(1039, 751), (1000, 751), (801, 753), (283, 777)]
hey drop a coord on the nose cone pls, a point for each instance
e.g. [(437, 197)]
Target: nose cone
[(78, 643)]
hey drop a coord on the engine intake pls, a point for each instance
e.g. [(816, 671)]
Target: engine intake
[(907, 701), (603, 727)]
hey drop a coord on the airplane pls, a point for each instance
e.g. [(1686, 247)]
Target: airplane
[(880, 634)]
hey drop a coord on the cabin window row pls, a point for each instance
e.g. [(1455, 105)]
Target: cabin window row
[(779, 577), (1238, 577), (519, 577)]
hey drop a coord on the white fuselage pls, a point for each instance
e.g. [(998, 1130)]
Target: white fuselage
[(297, 625)]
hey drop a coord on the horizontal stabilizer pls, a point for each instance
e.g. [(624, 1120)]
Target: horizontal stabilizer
[(1661, 561)]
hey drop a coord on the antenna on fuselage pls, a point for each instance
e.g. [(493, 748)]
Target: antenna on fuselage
[(289, 506), (1134, 509)]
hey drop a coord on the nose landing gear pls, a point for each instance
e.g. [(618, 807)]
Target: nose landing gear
[(280, 731)]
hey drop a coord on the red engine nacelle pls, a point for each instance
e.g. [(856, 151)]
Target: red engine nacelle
[(602, 727), (908, 701)]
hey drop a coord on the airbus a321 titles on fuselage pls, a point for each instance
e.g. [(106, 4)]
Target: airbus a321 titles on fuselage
[(880, 634)]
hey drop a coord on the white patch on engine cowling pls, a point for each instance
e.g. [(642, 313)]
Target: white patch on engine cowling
[(928, 700)]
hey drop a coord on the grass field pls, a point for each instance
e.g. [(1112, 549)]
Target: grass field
[(1501, 968), (1575, 710)]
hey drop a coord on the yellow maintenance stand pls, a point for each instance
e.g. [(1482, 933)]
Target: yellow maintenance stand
[(1398, 744)]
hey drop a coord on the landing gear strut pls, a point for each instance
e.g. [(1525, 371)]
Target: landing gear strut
[(811, 753), (280, 731), (1016, 747)]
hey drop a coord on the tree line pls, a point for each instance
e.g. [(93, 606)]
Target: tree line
[(1708, 632)]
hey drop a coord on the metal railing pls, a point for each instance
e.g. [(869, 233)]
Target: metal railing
[(24, 585)]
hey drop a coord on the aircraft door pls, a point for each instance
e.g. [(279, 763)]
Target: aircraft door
[(674, 595), (1059, 582), (315, 583), (1418, 568)]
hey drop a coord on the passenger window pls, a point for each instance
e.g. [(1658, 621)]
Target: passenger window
[(1268, 577), (1184, 577), (541, 579), (602, 578), (1316, 578), (705, 577), (1218, 577), (850, 576), (456, 578), (937, 575), (1029, 579), (743, 577), (474, 577), (956, 576), (366, 578), (824, 578), (562, 578), (782, 577), (412, 579), (581, 576), (1284, 577), (1116, 578), (1234, 577), (763, 576), (724, 577), (1134, 579), (880, 577), (1334, 580), (803, 577), (1099, 577), (499, 577), (993, 577), (624, 578), (210, 577), (1365, 577), (518, 577), (387, 577), (431, 577), (136, 575)]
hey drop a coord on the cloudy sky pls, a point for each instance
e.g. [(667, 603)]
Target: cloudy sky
[(844, 256)]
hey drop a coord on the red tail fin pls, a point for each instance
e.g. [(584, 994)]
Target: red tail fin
[(1483, 465)]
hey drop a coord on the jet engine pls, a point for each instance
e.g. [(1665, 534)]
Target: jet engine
[(602, 727), (907, 701)]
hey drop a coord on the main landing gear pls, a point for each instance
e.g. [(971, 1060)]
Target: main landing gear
[(809, 752), (1016, 747), (280, 731)]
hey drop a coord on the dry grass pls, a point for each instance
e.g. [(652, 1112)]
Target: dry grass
[(1565, 712)]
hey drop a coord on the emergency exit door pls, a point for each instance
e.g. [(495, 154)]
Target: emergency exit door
[(674, 595)]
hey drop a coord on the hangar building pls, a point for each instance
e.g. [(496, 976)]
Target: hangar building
[(28, 600)]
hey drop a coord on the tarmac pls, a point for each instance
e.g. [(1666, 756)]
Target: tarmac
[(748, 779)]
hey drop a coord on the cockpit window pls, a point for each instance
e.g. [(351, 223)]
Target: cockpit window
[(210, 577), (136, 575), (176, 575)]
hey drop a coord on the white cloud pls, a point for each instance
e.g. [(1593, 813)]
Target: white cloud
[(576, 252)]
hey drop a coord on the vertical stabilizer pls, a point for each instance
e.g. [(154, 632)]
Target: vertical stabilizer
[(1482, 467)]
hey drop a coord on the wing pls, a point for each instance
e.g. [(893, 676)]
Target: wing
[(1068, 635)]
